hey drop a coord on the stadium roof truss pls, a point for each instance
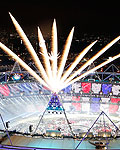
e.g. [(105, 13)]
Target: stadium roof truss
[(110, 74)]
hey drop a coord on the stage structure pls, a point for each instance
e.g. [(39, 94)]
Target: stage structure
[(55, 107), (103, 139), (110, 74), (106, 141)]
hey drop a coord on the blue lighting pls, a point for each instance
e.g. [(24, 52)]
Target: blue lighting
[(54, 104)]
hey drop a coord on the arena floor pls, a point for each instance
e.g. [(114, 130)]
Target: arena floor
[(65, 143)]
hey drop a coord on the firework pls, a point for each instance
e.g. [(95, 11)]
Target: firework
[(92, 59), (23, 64), (77, 60), (92, 70), (30, 49), (65, 54), (45, 54), (52, 71)]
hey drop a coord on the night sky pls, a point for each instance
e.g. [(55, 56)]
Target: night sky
[(86, 16)]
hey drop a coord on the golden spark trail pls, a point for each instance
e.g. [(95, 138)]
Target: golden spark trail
[(45, 54), (54, 49), (92, 59), (77, 60), (92, 70), (30, 49), (23, 64), (65, 54)]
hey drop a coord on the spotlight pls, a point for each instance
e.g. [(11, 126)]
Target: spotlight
[(53, 134), (110, 93)]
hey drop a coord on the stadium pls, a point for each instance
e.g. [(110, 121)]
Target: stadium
[(81, 114), (24, 101)]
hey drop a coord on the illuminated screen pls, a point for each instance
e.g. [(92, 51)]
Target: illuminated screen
[(105, 108), (105, 100), (115, 100), (86, 107)]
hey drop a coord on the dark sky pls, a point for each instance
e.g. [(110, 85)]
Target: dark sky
[(85, 15)]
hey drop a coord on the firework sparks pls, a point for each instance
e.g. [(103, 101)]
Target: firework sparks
[(44, 53), (54, 50), (30, 49), (23, 64), (92, 59), (93, 70), (53, 76), (77, 60), (65, 54)]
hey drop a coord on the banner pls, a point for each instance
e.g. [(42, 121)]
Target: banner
[(106, 88), (76, 98), (25, 87), (77, 106), (76, 87), (115, 100), (95, 105), (116, 89), (4, 90), (67, 89), (86, 87), (96, 88)]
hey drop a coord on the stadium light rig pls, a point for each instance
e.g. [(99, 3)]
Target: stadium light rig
[(53, 75)]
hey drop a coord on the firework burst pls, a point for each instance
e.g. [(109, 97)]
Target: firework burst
[(52, 72)]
